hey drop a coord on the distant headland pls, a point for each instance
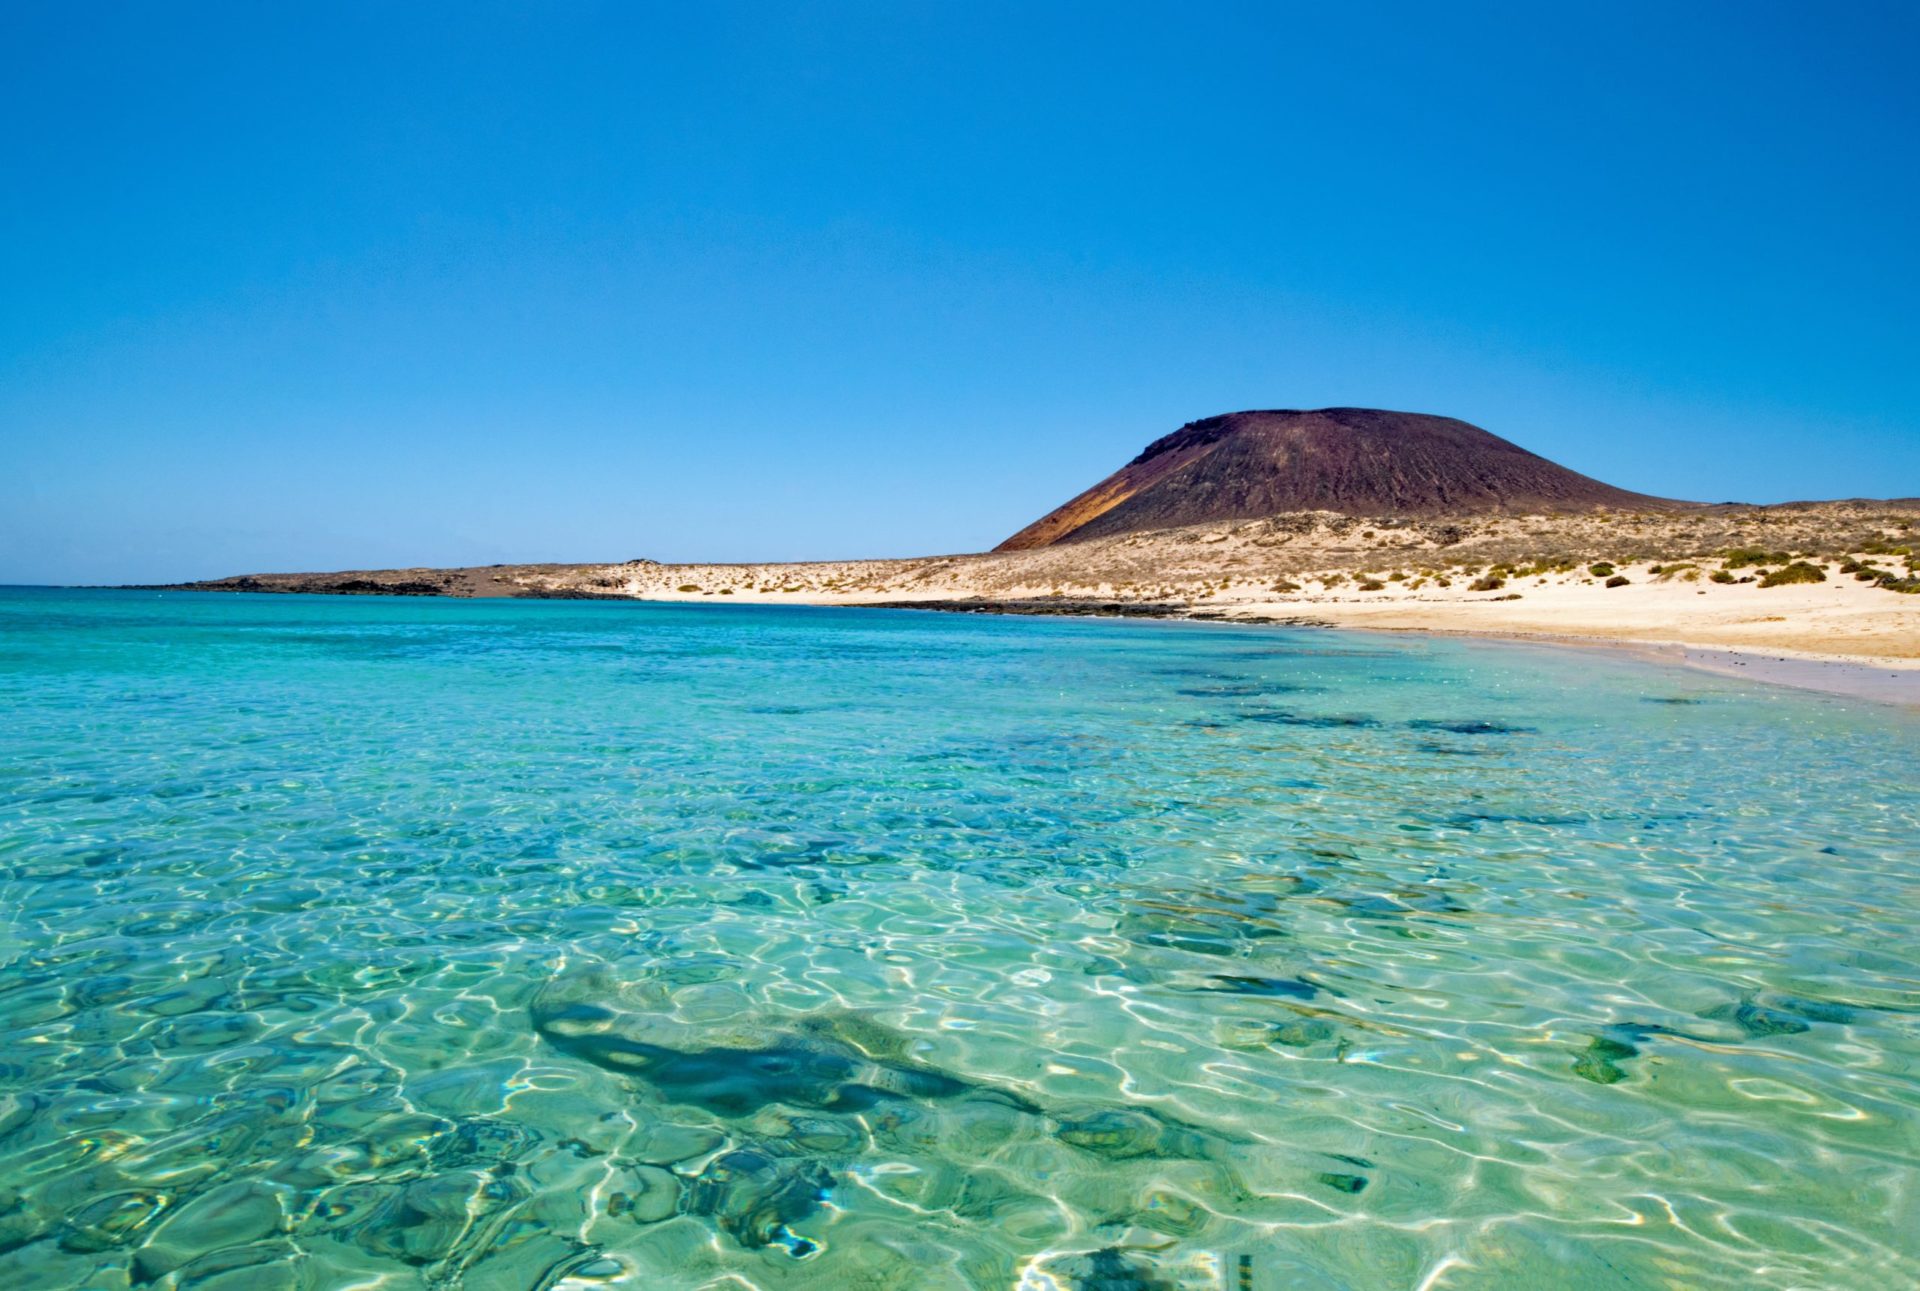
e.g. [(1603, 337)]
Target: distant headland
[(1352, 516)]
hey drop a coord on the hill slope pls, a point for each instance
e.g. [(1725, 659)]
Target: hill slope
[(1356, 461)]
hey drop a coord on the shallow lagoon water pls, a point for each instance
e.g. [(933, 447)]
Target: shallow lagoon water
[(392, 943)]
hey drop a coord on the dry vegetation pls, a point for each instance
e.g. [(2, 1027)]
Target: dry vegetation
[(1832, 580), (1312, 552)]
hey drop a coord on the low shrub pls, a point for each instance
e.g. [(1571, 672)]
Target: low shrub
[(1600, 569), (1488, 583), (689, 587), (1618, 580), (1722, 576), (1371, 585), (1907, 586), (1798, 572), (1741, 557)]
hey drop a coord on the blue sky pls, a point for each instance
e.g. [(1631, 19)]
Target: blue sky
[(323, 286)]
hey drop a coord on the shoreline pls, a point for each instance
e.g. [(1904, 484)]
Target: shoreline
[(1751, 590), (1855, 677), (1881, 680)]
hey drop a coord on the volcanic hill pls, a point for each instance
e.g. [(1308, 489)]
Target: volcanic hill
[(1355, 461)]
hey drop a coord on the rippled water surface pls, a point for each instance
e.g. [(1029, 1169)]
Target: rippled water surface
[(385, 943)]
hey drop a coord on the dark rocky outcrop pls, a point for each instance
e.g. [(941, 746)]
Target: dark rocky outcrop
[(1356, 461)]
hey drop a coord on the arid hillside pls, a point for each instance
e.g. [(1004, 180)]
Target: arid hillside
[(1350, 461)]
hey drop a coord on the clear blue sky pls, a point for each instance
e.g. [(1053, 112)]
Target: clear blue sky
[(318, 286)]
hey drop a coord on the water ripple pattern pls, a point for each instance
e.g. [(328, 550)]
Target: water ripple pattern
[(402, 944)]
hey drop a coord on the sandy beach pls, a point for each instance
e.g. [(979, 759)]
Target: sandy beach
[(1840, 636), (1838, 620), (1714, 587), (1706, 593)]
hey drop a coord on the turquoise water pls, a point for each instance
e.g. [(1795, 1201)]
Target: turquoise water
[(392, 943)]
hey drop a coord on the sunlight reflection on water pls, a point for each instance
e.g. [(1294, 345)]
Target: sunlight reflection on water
[(418, 944)]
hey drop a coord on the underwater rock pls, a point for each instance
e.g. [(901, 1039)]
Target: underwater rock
[(664, 1143), (22, 1222), (1754, 1017), (796, 852), (1247, 689), (873, 1038), (732, 1082), (1347, 1183), (1206, 923), (17, 1110), (1127, 1133), (1302, 1033), (113, 1220), (1165, 1211), (479, 1144), (1469, 727), (970, 1191), (430, 1219), (1399, 903), (1475, 819), (233, 1214), (1109, 1269), (972, 1128), (735, 1082), (1754, 1021), (650, 1194), (755, 1197), (207, 1032), (1283, 987), (1324, 722), (1195, 936), (478, 1089), (1600, 1063), (1282, 884), (1821, 1010), (1104, 966), (270, 1265), (823, 1136), (823, 1062)]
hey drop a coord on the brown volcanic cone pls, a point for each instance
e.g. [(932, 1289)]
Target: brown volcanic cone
[(1358, 461)]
